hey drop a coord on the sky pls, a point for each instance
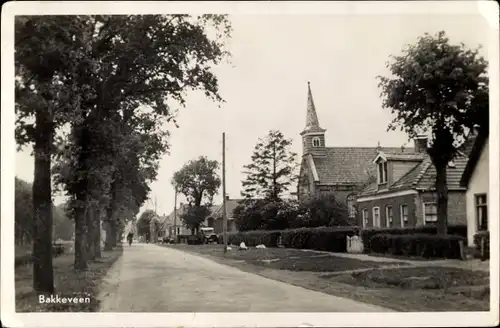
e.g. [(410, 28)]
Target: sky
[(265, 87)]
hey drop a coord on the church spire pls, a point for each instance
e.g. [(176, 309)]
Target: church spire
[(312, 123)]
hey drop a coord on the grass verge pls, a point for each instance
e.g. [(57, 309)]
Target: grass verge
[(68, 282), (400, 288)]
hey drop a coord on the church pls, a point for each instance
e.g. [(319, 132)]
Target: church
[(343, 171)]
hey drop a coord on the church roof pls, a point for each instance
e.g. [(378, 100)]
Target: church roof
[(349, 165)]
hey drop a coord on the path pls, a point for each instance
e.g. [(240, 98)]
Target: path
[(149, 278)]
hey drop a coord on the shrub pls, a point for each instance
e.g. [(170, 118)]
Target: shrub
[(332, 239), (422, 245), (269, 238), (477, 241), (367, 234)]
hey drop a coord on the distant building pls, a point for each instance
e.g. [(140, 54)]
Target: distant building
[(171, 226), (215, 219), (476, 180)]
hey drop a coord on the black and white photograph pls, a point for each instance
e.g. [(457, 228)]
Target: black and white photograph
[(250, 164)]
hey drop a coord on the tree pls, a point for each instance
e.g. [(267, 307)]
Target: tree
[(271, 172), (46, 48), (442, 90), (23, 212), (144, 222), (321, 211), (91, 71), (198, 181), (256, 214)]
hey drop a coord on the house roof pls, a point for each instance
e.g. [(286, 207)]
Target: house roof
[(475, 153), (231, 204), (411, 157), (423, 175), (349, 165)]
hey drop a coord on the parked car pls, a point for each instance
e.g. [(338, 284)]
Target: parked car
[(207, 235)]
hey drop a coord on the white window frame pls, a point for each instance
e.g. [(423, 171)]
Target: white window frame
[(425, 214), (382, 178), (373, 214), (387, 222), (477, 206), (314, 139), (364, 216), (401, 214)]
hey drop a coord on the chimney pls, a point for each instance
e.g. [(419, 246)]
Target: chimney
[(420, 144)]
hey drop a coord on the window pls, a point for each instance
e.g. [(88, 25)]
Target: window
[(365, 217), (404, 215), (382, 172), (316, 142), (178, 231), (430, 213), (388, 216), (376, 217), (481, 212), (351, 200)]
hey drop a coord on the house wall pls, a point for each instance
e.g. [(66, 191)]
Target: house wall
[(456, 207), (395, 202), (231, 226), (478, 184)]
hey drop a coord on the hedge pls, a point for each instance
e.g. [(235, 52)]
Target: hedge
[(477, 241), (367, 234), (331, 239), (269, 238), (422, 245)]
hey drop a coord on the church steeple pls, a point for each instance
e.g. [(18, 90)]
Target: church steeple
[(313, 136), (311, 118)]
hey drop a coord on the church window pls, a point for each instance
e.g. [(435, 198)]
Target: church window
[(351, 205), (382, 172), (316, 142)]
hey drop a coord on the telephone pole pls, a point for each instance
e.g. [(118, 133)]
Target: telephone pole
[(224, 214)]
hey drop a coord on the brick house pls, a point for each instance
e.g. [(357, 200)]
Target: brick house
[(403, 194), (215, 218), (343, 171), (476, 180)]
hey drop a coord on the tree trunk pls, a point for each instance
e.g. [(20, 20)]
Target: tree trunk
[(442, 200), (113, 233), (43, 272), (97, 235), (90, 234), (107, 241), (80, 239)]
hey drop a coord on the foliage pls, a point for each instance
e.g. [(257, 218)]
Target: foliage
[(198, 181), (332, 239), (269, 238), (367, 234), (143, 224), (63, 225), (441, 90), (272, 170), (321, 211), (422, 245), (265, 214), (23, 212)]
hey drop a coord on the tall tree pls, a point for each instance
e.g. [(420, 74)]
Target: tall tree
[(46, 49), (272, 170), (199, 183), (441, 90), (143, 224)]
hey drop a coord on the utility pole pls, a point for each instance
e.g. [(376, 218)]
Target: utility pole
[(175, 215), (224, 214)]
